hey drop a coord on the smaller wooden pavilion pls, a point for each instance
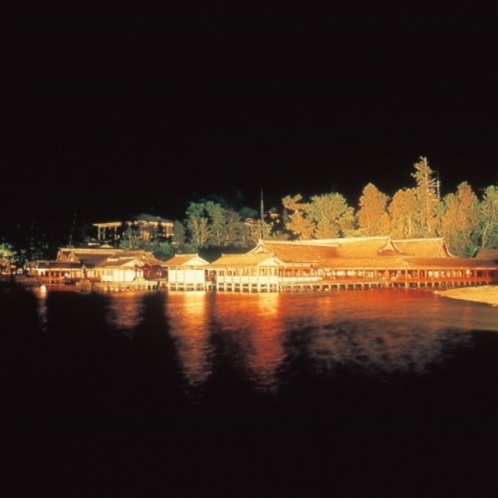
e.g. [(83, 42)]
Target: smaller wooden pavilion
[(105, 269), (187, 272)]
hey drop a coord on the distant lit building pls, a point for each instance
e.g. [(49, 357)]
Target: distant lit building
[(109, 231), (144, 227)]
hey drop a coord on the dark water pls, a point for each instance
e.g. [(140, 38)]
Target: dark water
[(353, 393)]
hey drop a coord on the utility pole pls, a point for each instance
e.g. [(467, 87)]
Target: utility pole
[(262, 231), (71, 233)]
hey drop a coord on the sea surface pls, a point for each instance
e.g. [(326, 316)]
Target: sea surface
[(368, 393)]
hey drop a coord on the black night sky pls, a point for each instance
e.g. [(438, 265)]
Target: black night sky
[(122, 108)]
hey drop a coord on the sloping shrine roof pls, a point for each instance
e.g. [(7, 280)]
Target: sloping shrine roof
[(316, 250), (387, 262), (490, 254), (401, 262), (150, 218), (423, 248), (120, 262), (247, 259), (92, 257), (56, 264), (185, 260), (86, 256), (290, 252)]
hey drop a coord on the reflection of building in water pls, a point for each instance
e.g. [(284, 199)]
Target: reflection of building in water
[(124, 310), (266, 338), (256, 321), (41, 294), (187, 312), (255, 325)]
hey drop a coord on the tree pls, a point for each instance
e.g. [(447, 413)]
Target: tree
[(459, 221), (239, 233), (161, 249), (215, 225), (488, 218), (427, 195), (197, 225), (296, 221), (372, 215), (325, 216), (7, 258), (216, 215), (330, 215), (275, 226), (129, 240), (179, 238), (403, 210)]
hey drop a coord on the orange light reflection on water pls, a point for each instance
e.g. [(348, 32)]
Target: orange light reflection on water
[(265, 327), (257, 336), (124, 310), (252, 323), (41, 294), (374, 333), (259, 321), (188, 320)]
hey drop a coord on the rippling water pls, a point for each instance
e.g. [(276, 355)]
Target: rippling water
[(356, 393), (373, 335)]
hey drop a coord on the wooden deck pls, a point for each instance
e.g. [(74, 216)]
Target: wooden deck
[(314, 285), (139, 285), (187, 286)]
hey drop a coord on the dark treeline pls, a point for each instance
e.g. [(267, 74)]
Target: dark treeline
[(214, 224)]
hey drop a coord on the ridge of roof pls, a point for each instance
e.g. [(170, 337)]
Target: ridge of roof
[(244, 258), (419, 239), (181, 259), (148, 217)]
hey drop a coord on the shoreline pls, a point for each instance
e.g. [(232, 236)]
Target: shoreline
[(486, 294)]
